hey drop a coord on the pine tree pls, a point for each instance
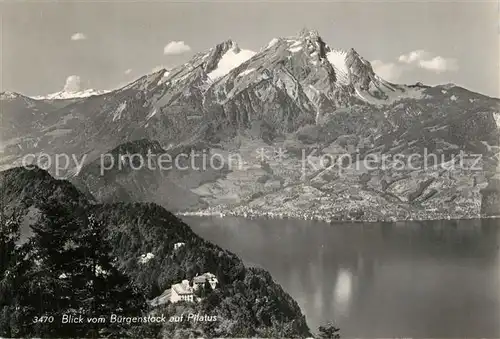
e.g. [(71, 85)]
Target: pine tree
[(8, 236), (15, 314), (56, 278), (68, 270), (109, 290)]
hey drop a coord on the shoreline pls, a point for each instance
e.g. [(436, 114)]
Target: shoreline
[(281, 216)]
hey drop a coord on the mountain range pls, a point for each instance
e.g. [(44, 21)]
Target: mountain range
[(297, 96)]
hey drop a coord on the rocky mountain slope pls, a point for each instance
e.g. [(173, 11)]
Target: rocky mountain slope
[(247, 301), (297, 96)]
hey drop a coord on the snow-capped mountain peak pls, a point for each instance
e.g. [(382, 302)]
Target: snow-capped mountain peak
[(328, 77), (228, 56), (308, 33), (61, 95), (8, 95)]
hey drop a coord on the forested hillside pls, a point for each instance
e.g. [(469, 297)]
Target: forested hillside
[(82, 259)]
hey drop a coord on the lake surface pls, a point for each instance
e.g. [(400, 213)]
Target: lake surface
[(409, 279)]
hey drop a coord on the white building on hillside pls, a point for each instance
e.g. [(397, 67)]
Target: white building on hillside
[(182, 292)]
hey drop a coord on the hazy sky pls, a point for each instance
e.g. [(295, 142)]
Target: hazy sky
[(103, 45)]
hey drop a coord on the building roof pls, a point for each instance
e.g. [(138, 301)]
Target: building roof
[(200, 279), (182, 288)]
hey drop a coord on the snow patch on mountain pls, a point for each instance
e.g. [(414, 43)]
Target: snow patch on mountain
[(496, 116), (247, 71), (337, 60), (295, 49), (361, 96), (163, 78), (151, 114), (229, 61), (117, 114), (288, 83), (272, 42), (314, 89)]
